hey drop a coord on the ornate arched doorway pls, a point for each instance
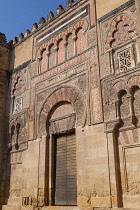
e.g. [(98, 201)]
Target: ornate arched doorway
[(63, 156), (63, 110)]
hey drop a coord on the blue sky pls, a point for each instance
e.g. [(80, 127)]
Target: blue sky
[(18, 15)]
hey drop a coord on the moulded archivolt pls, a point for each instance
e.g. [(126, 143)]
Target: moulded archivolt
[(63, 94), (122, 29)]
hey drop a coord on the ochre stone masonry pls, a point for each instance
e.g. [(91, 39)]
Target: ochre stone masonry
[(70, 110)]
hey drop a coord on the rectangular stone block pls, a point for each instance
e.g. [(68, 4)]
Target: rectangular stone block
[(27, 208), (7, 207), (100, 202)]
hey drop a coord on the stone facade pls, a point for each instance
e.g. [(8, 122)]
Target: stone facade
[(70, 110)]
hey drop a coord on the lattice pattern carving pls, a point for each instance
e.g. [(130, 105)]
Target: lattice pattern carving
[(18, 105), (125, 60)]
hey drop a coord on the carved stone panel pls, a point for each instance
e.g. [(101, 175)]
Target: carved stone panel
[(18, 132), (62, 119)]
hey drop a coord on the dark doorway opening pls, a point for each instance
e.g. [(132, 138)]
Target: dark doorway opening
[(65, 172)]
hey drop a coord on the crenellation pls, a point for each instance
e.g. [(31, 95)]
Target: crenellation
[(50, 16), (41, 21), (27, 33), (69, 3), (2, 38), (15, 40), (21, 37), (59, 10), (34, 27)]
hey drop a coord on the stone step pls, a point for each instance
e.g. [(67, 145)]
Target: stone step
[(66, 208), (12, 207)]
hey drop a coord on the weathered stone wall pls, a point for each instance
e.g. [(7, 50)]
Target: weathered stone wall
[(21, 53), (92, 161), (4, 66), (120, 92), (108, 6)]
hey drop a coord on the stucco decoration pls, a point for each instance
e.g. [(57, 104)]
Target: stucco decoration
[(63, 94), (122, 29)]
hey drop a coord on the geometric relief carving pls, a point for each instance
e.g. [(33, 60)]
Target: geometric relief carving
[(18, 105), (96, 108), (125, 60), (64, 94)]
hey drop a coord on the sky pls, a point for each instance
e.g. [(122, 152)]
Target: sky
[(18, 15)]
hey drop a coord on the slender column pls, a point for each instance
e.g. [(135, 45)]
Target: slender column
[(117, 105), (65, 46), (56, 54), (39, 64), (48, 54), (74, 37), (131, 107)]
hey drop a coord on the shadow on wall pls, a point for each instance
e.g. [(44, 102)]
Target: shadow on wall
[(5, 169)]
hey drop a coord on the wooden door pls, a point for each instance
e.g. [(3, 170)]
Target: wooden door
[(65, 170)]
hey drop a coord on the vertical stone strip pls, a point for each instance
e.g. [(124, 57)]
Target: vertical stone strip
[(4, 65), (32, 113), (137, 2), (96, 107)]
